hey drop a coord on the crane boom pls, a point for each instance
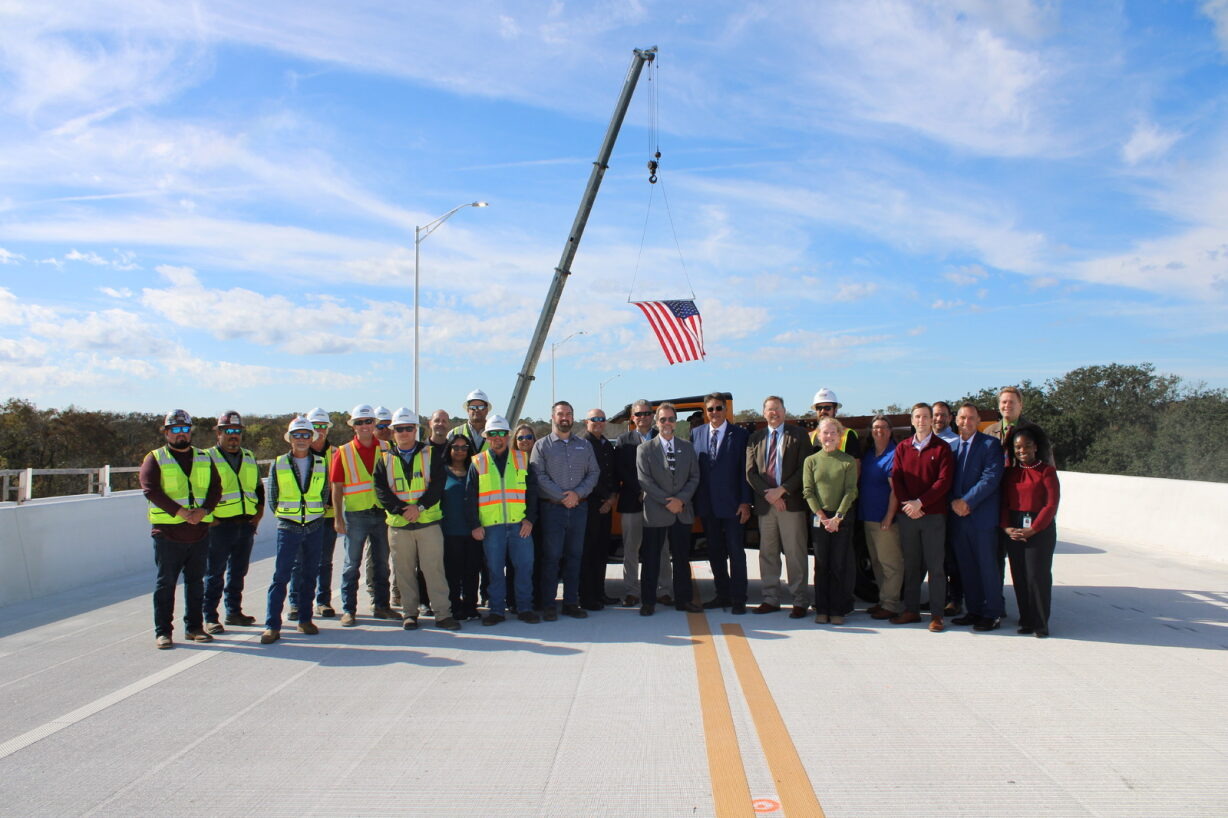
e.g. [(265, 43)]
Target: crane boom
[(563, 270)]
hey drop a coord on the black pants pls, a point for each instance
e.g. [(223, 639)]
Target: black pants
[(1032, 575), (833, 557), (462, 564), (593, 560), (679, 536), (172, 559), (727, 556)]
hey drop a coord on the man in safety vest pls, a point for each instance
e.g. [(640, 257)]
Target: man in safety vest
[(383, 433), (359, 516), (409, 484), (825, 405), (182, 487), (298, 495), (322, 584), (234, 523), (476, 405), (501, 497)]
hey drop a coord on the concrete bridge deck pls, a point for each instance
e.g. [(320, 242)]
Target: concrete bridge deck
[(1121, 713)]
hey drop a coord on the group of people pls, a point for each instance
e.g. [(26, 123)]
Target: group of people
[(444, 519)]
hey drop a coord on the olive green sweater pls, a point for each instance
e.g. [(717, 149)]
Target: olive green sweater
[(829, 482)]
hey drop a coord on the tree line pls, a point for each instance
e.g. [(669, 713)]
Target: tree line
[(1110, 419)]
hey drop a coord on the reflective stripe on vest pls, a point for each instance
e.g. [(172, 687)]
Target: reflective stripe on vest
[(329, 511), (501, 496), (358, 486), (409, 490), (238, 490), (292, 503), (478, 441), (188, 492)]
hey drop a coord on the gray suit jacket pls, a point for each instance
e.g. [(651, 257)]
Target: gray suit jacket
[(659, 484)]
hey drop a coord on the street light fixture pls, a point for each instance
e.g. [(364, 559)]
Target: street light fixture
[(601, 391), (553, 347), (420, 234)]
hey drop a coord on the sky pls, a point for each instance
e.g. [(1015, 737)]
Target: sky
[(213, 205)]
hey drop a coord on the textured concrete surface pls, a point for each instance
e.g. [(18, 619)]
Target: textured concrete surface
[(1120, 713)]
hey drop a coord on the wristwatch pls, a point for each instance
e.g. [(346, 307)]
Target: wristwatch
[(839, 516), (421, 510)]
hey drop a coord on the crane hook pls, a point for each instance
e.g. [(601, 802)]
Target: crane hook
[(653, 164)]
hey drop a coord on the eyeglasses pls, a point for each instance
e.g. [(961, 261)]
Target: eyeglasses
[(232, 431), (476, 407), (402, 428), (320, 425), (714, 409), (302, 435), (643, 414), (460, 447), (363, 422), (179, 430), (496, 433), (668, 419), (597, 419), (382, 426)]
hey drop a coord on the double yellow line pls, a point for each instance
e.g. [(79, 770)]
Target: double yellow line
[(730, 790)]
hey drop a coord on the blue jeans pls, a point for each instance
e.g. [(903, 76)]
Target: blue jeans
[(361, 526), (171, 559), (298, 556), (322, 584), (230, 552), (501, 542), (562, 546)]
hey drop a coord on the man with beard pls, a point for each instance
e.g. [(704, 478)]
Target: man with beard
[(235, 520), (182, 487)]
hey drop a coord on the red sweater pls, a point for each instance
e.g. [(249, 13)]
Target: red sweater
[(924, 475), (1034, 490)]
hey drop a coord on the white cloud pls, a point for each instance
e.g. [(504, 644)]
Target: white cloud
[(1147, 142), (1217, 11), (114, 331), (10, 258), (122, 292), (89, 258), (966, 276), (855, 291), (943, 304)]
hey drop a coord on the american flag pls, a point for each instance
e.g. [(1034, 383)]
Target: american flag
[(678, 327)]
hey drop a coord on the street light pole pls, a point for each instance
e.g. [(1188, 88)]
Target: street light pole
[(553, 347), (420, 234), (601, 391)]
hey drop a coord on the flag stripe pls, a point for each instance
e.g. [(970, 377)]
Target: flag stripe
[(667, 344), (678, 326)]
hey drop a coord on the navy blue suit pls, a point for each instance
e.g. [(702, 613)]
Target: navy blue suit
[(978, 477), (722, 488)]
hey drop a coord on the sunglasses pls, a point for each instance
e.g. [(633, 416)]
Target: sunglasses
[(382, 426), (597, 419), (302, 435), (232, 431), (496, 433), (401, 428), (461, 447), (643, 414), (525, 437), (667, 420), (476, 407), (179, 430), (362, 422), (714, 409), (319, 425)]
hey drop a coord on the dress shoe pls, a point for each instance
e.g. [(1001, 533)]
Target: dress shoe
[(798, 612), (966, 619), (164, 643), (1025, 629), (665, 599), (689, 607), (837, 620), (384, 612), (348, 620), (325, 611), (631, 600), (575, 612), (936, 625), (214, 627), (409, 623), (197, 635), (905, 618), (766, 608), (1041, 634), (269, 637), (952, 609), (821, 619), (873, 609), (529, 616), (239, 618), (550, 615), (716, 602), (647, 609), (738, 609), (882, 613), (609, 600), (309, 628), (448, 624), (987, 624), (593, 606)]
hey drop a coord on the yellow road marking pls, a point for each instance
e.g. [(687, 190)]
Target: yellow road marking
[(792, 783), (730, 791)]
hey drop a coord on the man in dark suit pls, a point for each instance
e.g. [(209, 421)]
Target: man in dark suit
[(974, 519), (631, 509), (600, 512), (669, 474), (723, 502), (774, 471)]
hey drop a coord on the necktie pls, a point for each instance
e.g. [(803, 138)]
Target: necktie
[(716, 441), (669, 456), (963, 455), (771, 458)]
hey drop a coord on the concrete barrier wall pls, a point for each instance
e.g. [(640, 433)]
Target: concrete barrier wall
[(1182, 517)]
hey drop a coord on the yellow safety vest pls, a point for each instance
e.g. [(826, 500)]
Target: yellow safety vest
[(327, 454), (501, 496), (292, 503), (189, 492), (478, 441), (408, 491), (238, 490), (358, 485)]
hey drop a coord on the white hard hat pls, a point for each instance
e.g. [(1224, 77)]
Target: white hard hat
[(299, 424), (496, 423), (362, 410), (477, 394), (383, 413), (404, 416), (318, 415), (825, 395)]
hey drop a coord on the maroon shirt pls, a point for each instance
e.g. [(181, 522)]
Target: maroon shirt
[(151, 485), (1034, 490), (924, 475)]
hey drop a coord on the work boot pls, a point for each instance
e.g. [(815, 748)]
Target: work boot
[(348, 620), (240, 618), (198, 635), (214, 627), (308, 628), (269, 637), (448, 624), (325, 611), (384, 612), (164, 643)]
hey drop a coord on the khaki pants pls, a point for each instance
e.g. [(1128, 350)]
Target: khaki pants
[(633, 536), (420, 548), (888, 562), (784, 532)]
